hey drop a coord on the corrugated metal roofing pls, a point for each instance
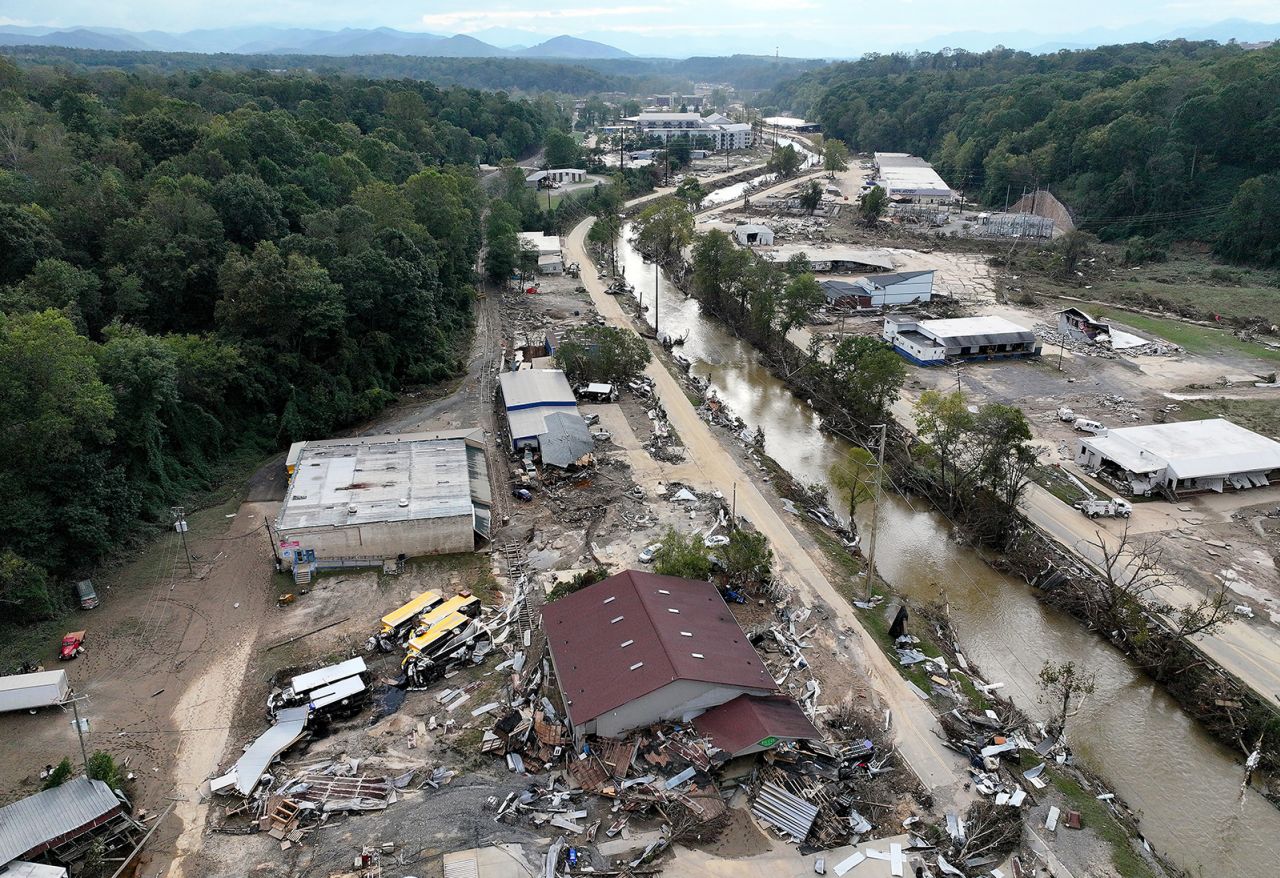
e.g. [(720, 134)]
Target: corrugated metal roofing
[(635, 632), (747, 720), (535, 387), (567, 439), (792, 814), (30, 824), (394, 480), (1190, 449), (976, 331)]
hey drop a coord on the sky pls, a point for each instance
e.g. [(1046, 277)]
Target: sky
[(671, 27)]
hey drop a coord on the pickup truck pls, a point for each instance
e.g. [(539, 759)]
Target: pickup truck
[(1116, 508), (72, 645)]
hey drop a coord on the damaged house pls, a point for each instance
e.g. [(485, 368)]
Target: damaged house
[(542, 415), (639, 648)]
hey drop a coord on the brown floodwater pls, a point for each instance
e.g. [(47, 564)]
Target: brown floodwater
[(1183, 783)]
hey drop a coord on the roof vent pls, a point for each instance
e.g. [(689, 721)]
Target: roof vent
[(686, 633), (615, 621), (636, 666), (610, 599), (404, 501), (697, 655), (351, 510), (673, 610), (625, 644), (663, 591)]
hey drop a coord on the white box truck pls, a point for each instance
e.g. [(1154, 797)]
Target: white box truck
[(31, 691)]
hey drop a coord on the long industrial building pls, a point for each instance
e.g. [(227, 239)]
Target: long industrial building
[(905, 177), (890, 290), (1186, 456), (934, 342), (374, 497)]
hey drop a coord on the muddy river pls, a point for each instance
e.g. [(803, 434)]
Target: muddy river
[(1185, 785)]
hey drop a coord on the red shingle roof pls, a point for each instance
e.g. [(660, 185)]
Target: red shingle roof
[(747, 720), (635, 632)]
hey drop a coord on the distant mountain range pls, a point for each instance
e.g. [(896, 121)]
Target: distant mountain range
[(303, 41), (515, 43)]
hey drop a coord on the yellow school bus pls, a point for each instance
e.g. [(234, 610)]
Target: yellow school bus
[(399, 620), (439, 624)]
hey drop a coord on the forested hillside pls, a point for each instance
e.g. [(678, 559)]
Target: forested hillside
[(203, 264), (1178, 139), (582, 76)]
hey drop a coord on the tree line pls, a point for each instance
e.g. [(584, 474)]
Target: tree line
[(1171, 140), (579, 77), (210, 265)]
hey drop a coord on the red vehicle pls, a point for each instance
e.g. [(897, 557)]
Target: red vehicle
[(72, 646)]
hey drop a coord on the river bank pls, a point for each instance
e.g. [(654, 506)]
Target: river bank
[(1184, 785)]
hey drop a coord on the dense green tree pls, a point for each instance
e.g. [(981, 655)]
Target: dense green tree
[(605, 354), (501, 241), (561, 150), (682, 555), (811, 196), (747, 557), (1251, 232), (250, 210), (56, 284), (25, 239), (873, 204), (664, 228), (785, 161), (835, 155)]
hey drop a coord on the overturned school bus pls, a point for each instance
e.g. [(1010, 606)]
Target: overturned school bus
[(438, 626), (399, 622)]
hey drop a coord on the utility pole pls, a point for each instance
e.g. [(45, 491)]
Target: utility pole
[(733, 524), (657, 275), (1062, 343), (179, 514), (80, 724), (875, 513)]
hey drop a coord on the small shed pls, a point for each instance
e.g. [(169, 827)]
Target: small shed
[(566, 440), (753, 235)]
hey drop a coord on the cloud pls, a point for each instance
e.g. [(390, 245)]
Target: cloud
[(466, 20)]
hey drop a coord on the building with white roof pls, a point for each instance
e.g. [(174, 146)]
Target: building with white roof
[(1185, 456), (373, 497), (534, 400), (910, 178), (791, 123), (934, 342), (559, 176), (550, 261), (889, 290), (753, 235), (666, 127), (838, 258)]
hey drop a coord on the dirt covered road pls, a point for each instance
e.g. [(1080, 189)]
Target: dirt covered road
[(937, 767)]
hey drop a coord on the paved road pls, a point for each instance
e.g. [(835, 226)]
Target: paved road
[(1246, 650), (915, 725)]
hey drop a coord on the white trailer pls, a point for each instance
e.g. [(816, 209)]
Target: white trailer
[(32, 691)]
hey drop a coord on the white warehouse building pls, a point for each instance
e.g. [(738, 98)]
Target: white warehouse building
[(906, 177), (1185, 456), (369, 498), (934, 342)]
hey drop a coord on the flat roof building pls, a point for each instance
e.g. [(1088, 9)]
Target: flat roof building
[(639, 648), (375, 497), (1186, 456), (934, 342), (910, 178), (837, 259), (791, 123), (889, 290), (547, 247)]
